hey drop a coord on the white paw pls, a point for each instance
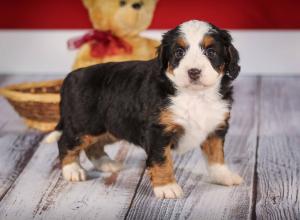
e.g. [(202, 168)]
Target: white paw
[(105, 164), (169, 191), (220, 174), (74, 172)]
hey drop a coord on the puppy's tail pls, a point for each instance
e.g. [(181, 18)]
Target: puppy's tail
[(54, 135)]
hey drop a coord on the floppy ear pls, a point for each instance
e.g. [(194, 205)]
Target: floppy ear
[(164, 51), (232, 67), (162, 56)]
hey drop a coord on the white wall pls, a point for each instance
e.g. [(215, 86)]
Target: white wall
[(262, 52)]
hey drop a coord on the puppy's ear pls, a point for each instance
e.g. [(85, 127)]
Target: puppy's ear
[(162, 56), (164, 51), (232, 67)]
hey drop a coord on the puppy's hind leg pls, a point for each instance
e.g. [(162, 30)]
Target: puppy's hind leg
[(99, 158), (71, 168)]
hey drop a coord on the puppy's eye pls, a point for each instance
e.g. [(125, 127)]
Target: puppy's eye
[(210, 53), (122, 3), (179, 53)]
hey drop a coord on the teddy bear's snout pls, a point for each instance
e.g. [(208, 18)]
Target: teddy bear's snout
[(137, 5)]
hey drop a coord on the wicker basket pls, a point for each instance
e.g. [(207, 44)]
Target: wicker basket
[(37, 102)]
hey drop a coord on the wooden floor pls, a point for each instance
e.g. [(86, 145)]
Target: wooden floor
[(263, 145)]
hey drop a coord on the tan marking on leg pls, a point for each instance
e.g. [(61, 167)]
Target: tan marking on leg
[(217, 169), (86, 142), (213, 150), (166, 119), (163, 180), (71, 156), (96, 149), (71, 169), (162, 174), (99, 158)]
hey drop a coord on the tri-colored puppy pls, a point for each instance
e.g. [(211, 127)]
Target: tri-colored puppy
[(179, 100)]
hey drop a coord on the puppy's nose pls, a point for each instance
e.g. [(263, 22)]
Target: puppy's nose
[(137, 5), (194, 73)]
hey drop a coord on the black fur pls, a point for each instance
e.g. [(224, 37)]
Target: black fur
[(231, 55), (167, 48), (230, 58), (122, 98), (126, 99)]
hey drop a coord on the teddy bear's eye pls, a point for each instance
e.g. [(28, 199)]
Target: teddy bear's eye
[(122, 3)]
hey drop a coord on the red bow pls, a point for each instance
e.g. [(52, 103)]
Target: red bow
[(103, 43)]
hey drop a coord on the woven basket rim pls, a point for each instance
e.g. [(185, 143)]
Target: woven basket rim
[(29, 85), (19, 96)]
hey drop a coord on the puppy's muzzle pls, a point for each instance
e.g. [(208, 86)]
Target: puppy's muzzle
[(194, 74)]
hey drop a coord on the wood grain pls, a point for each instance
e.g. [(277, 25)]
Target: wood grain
[(40, 192), (15, 151), (17, 144), (278, 163), (204, 200)]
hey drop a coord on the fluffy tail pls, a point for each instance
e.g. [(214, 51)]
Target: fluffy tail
[(54, 135)]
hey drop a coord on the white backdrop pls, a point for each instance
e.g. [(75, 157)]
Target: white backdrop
[(262, 52)]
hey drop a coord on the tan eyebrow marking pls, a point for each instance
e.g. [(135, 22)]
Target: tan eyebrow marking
[(207, 41), (182, 42)]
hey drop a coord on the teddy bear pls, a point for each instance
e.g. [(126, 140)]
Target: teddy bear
[(115, 37)]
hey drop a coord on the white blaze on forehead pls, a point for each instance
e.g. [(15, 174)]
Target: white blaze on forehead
[(194, 31)]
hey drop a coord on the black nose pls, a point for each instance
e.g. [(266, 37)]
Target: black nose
[(194, 73), (137, 6)]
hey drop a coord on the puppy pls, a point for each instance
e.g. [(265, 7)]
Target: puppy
[(179, 100)]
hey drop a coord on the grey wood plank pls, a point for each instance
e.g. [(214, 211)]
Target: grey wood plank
[(278, 160), (17, 144), (41, 193), (15, 151), (203, 200)]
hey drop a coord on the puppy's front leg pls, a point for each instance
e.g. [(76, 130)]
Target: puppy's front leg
[(217, 169), (162, 177)]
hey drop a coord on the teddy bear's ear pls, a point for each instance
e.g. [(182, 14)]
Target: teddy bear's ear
[(88, 3)]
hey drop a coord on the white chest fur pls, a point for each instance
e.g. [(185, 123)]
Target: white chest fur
[(199, 113)]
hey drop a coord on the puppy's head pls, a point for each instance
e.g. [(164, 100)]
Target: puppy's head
[(196, 55)]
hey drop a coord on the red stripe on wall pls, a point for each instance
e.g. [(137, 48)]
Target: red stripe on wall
[(232, 14)]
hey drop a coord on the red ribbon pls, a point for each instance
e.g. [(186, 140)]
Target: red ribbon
[(103, 43)]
